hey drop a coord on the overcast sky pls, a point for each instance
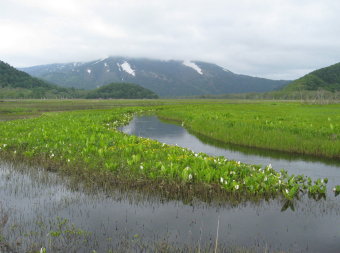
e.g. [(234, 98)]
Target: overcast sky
[(279, 39)]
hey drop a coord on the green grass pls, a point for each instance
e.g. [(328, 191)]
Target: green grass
[(88, 141), (290, 127)]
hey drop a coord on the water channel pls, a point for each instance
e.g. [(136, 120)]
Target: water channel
[(33, 199)]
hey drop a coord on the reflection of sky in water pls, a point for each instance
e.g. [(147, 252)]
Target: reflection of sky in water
[(151, 127), (313, 227), (30, 198)]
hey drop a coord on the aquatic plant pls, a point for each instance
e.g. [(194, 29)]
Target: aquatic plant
[(89, 141)]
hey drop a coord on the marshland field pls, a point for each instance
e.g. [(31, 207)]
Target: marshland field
[(169, 176)]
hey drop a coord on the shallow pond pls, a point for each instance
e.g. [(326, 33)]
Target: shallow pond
[(32, 199)]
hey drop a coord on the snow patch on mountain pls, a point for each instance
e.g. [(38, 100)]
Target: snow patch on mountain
[(88, 71), (98, 61), (193, 66), (127, 68)]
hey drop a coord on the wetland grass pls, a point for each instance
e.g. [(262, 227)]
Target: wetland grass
[(88, 141), (289, 127)]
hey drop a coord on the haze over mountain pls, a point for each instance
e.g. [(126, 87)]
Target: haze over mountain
[(165, 78), (327, 78), (18, 84)]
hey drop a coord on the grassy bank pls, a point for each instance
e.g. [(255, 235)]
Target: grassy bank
[(88, 141), (290, 127)]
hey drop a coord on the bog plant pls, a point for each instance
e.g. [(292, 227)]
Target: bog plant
[(89, 141), (290, 127)]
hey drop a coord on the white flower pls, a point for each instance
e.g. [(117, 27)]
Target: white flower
[(265, 179), (269, 166), (237, 187), (68, 160), (141, 167), (187, 168), (52, 155), (5, 145), (190, 176), (15, 151), (287, 191), (238, 162), (221, 180), (279, 181), (196, 155), (334, 190)]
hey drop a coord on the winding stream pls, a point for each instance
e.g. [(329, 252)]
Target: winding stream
[(31, 197)]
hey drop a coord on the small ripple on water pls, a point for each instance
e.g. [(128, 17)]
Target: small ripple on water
[(33, 199)]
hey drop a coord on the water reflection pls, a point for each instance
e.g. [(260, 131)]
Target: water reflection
[(33, 199), (152, 127)]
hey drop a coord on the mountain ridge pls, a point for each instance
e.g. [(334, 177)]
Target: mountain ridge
[(327, 78), (167, 78), (18, 84)]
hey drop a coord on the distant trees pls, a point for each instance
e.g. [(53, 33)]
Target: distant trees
[(121, 90)]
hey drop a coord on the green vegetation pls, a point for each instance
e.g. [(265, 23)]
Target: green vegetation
[(121, 90), (11, 77), (88, 141), (326, 78), (291, 127), (319, 96), (18, 84), (319, 86)]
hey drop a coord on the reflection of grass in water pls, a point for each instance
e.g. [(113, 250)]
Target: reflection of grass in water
[(85, 141), (290, 127), (263, 152), (59, 233)]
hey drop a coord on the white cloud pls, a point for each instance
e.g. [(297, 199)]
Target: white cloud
[(274, 39)]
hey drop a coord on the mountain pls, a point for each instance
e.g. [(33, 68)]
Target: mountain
[(165, 78), (11, 77), (326, 78), (18, 84), (121, 90)]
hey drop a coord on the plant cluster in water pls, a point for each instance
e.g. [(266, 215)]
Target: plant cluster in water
[(89, 141)]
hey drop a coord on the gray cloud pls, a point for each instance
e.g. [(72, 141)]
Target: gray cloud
[(281, 39)]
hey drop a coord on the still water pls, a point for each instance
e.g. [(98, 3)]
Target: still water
[(152, 127), (33, 199)]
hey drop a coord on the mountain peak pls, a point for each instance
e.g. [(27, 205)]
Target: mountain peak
[(168, 78)]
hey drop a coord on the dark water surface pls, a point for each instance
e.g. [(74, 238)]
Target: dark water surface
[(151, 127), (32, 199)]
